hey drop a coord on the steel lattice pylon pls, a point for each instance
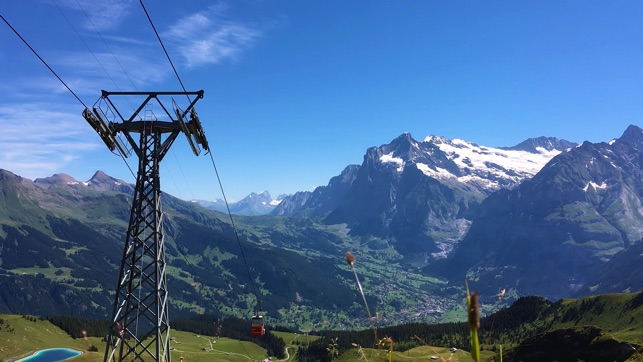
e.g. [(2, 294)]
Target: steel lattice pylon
[(140, 327)]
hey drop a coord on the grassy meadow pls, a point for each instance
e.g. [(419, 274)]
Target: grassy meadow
[(20, 337), (293, 342), (422, 353), (619, 316)]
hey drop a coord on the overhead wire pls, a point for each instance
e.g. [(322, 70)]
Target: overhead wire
[(178, 77), (106, 45), (164, 50), (213, 163), (127, 164), (178, 247), (121, 155), (43, 61), (236, 233), (84, 42), (211, 158), (183, 173), (108, 48), (149, 18), (56, 75), (101, 65)]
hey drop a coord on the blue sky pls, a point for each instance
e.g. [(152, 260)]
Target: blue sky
[(297, 90)]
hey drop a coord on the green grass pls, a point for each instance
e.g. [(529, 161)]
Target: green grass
[(422, 353), (49, 273), (610, 312), (192, 347), (619, 316), (294, 341), (21, 337), (216, 256)]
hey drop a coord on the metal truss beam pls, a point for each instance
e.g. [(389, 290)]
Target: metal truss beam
[(140, 329)]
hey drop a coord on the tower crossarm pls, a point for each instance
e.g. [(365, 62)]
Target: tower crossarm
[(173, 122)]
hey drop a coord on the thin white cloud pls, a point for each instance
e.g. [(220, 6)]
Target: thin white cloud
[(141, 70), (124, 40), (86, 77), (103, 15), (207, 38), (36, 141)]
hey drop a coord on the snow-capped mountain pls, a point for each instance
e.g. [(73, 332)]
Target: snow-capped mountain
[(546, 143), (420, 196), (485, 168), (561, 228), (253, 204), (465, 165)]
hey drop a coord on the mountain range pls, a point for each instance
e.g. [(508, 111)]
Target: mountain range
[(420, 197), (550, 235), (251, 205), (546, 217)]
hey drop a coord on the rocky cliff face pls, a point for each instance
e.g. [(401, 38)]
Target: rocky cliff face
[(419, 196), (545, 236), (322, 200)]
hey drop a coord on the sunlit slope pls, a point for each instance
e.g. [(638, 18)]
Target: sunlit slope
[(21, 336)]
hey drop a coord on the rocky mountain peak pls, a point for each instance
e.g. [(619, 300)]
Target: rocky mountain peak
[(12, 178), (633, 135), (59, 179), (103, 182), (435, 139), (100, 176), (347, 175), (461, 162), (404, 138), (538, 144), (402, 149)]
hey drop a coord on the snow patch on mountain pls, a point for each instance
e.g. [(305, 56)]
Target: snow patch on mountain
[(595, 186), (486, 167), (253, 204), (436, 172), (390, 158)]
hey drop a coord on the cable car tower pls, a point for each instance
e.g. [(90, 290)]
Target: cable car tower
[(140, 329)]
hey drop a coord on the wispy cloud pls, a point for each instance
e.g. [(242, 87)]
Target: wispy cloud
[(141, 70), (206, 37), (86, 76), (102, 15), (35, 141)]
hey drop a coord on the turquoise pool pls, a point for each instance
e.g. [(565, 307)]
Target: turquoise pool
[(51, 355)]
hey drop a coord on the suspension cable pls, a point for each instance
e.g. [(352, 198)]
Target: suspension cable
[(108, 47), (211, 158), (84, 42), (236, 233), (57, 76), (43, 61), (149, 18), (163, 46), (127, 163)]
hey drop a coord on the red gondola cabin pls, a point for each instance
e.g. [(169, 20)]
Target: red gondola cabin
[(257, 328)]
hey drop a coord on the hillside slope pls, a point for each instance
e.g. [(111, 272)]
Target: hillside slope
[(548, 235)]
